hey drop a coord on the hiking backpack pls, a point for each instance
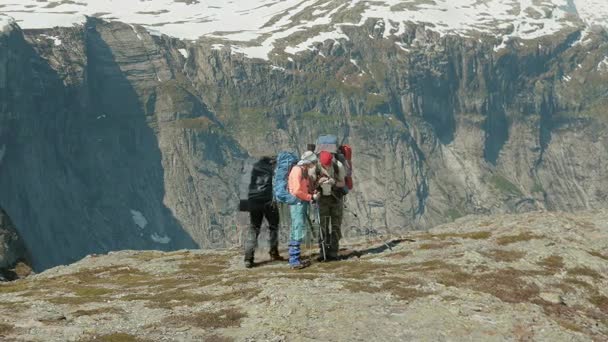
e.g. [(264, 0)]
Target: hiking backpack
[(347, 152), (343, 153), (285, 162), (260, 187), (245, 179), (327, 143)]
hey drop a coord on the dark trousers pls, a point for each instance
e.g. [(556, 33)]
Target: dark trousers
[(257, 215), (331, 210)]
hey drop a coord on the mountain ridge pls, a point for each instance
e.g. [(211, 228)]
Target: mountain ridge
[(257, 28)]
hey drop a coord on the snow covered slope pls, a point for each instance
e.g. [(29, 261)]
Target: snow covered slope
[(255, 26)]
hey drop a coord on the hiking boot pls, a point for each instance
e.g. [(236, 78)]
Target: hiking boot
[(302, 264), (249, 264), (327, 258), (276, 257)]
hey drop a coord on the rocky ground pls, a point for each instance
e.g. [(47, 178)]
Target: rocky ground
[(536, 276)]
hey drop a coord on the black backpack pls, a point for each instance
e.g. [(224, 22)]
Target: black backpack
[(260, 186)]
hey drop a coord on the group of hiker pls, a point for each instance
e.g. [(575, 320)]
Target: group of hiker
[(313, 184)]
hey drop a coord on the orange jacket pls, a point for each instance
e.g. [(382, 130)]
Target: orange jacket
[(298, 184)]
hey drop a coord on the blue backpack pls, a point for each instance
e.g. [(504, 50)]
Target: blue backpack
[(285, 162)]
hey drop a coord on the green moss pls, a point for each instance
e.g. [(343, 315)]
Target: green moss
[(504, 185)]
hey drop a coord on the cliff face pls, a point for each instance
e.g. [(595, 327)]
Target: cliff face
[(112, 138)]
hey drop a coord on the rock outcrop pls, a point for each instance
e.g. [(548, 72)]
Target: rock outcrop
[(12, 247), (537, 276), (113, 138)]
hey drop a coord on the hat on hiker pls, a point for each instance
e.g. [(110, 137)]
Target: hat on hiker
[(325, 158), (308, 158)]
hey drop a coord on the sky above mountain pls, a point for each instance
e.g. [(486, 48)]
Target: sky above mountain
[(255, 26)]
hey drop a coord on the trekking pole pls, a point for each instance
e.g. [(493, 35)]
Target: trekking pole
[(309, 238), (321, 235)]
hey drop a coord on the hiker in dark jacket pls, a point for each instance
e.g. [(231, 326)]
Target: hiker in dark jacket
[(331, 181), (261, 206)]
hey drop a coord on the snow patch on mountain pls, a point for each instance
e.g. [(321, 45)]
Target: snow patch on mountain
[(184, 53), (56, 40), (5, 23), (162, 239), (139, 219), (254, 27), (603, 65)]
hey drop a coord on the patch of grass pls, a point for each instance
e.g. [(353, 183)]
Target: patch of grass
[(16, 286), (402, 292), (598, 255), (399, 255), (578, 283), (502, 255), (244, 294), (553, 262), (454, 278), (218, 338), (14, 306), (196, 267), (6, 329), (403, 288), (225, 318), (584, 271), (504, 185), (563, 315), (521, 237), (146, 255), (506, 284), (169, 299), (601, 302), (115, 337), (478, 235), (82, 295), (438, 245), (99, 311)]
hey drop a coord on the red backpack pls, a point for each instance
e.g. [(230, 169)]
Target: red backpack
[(347, 152)]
